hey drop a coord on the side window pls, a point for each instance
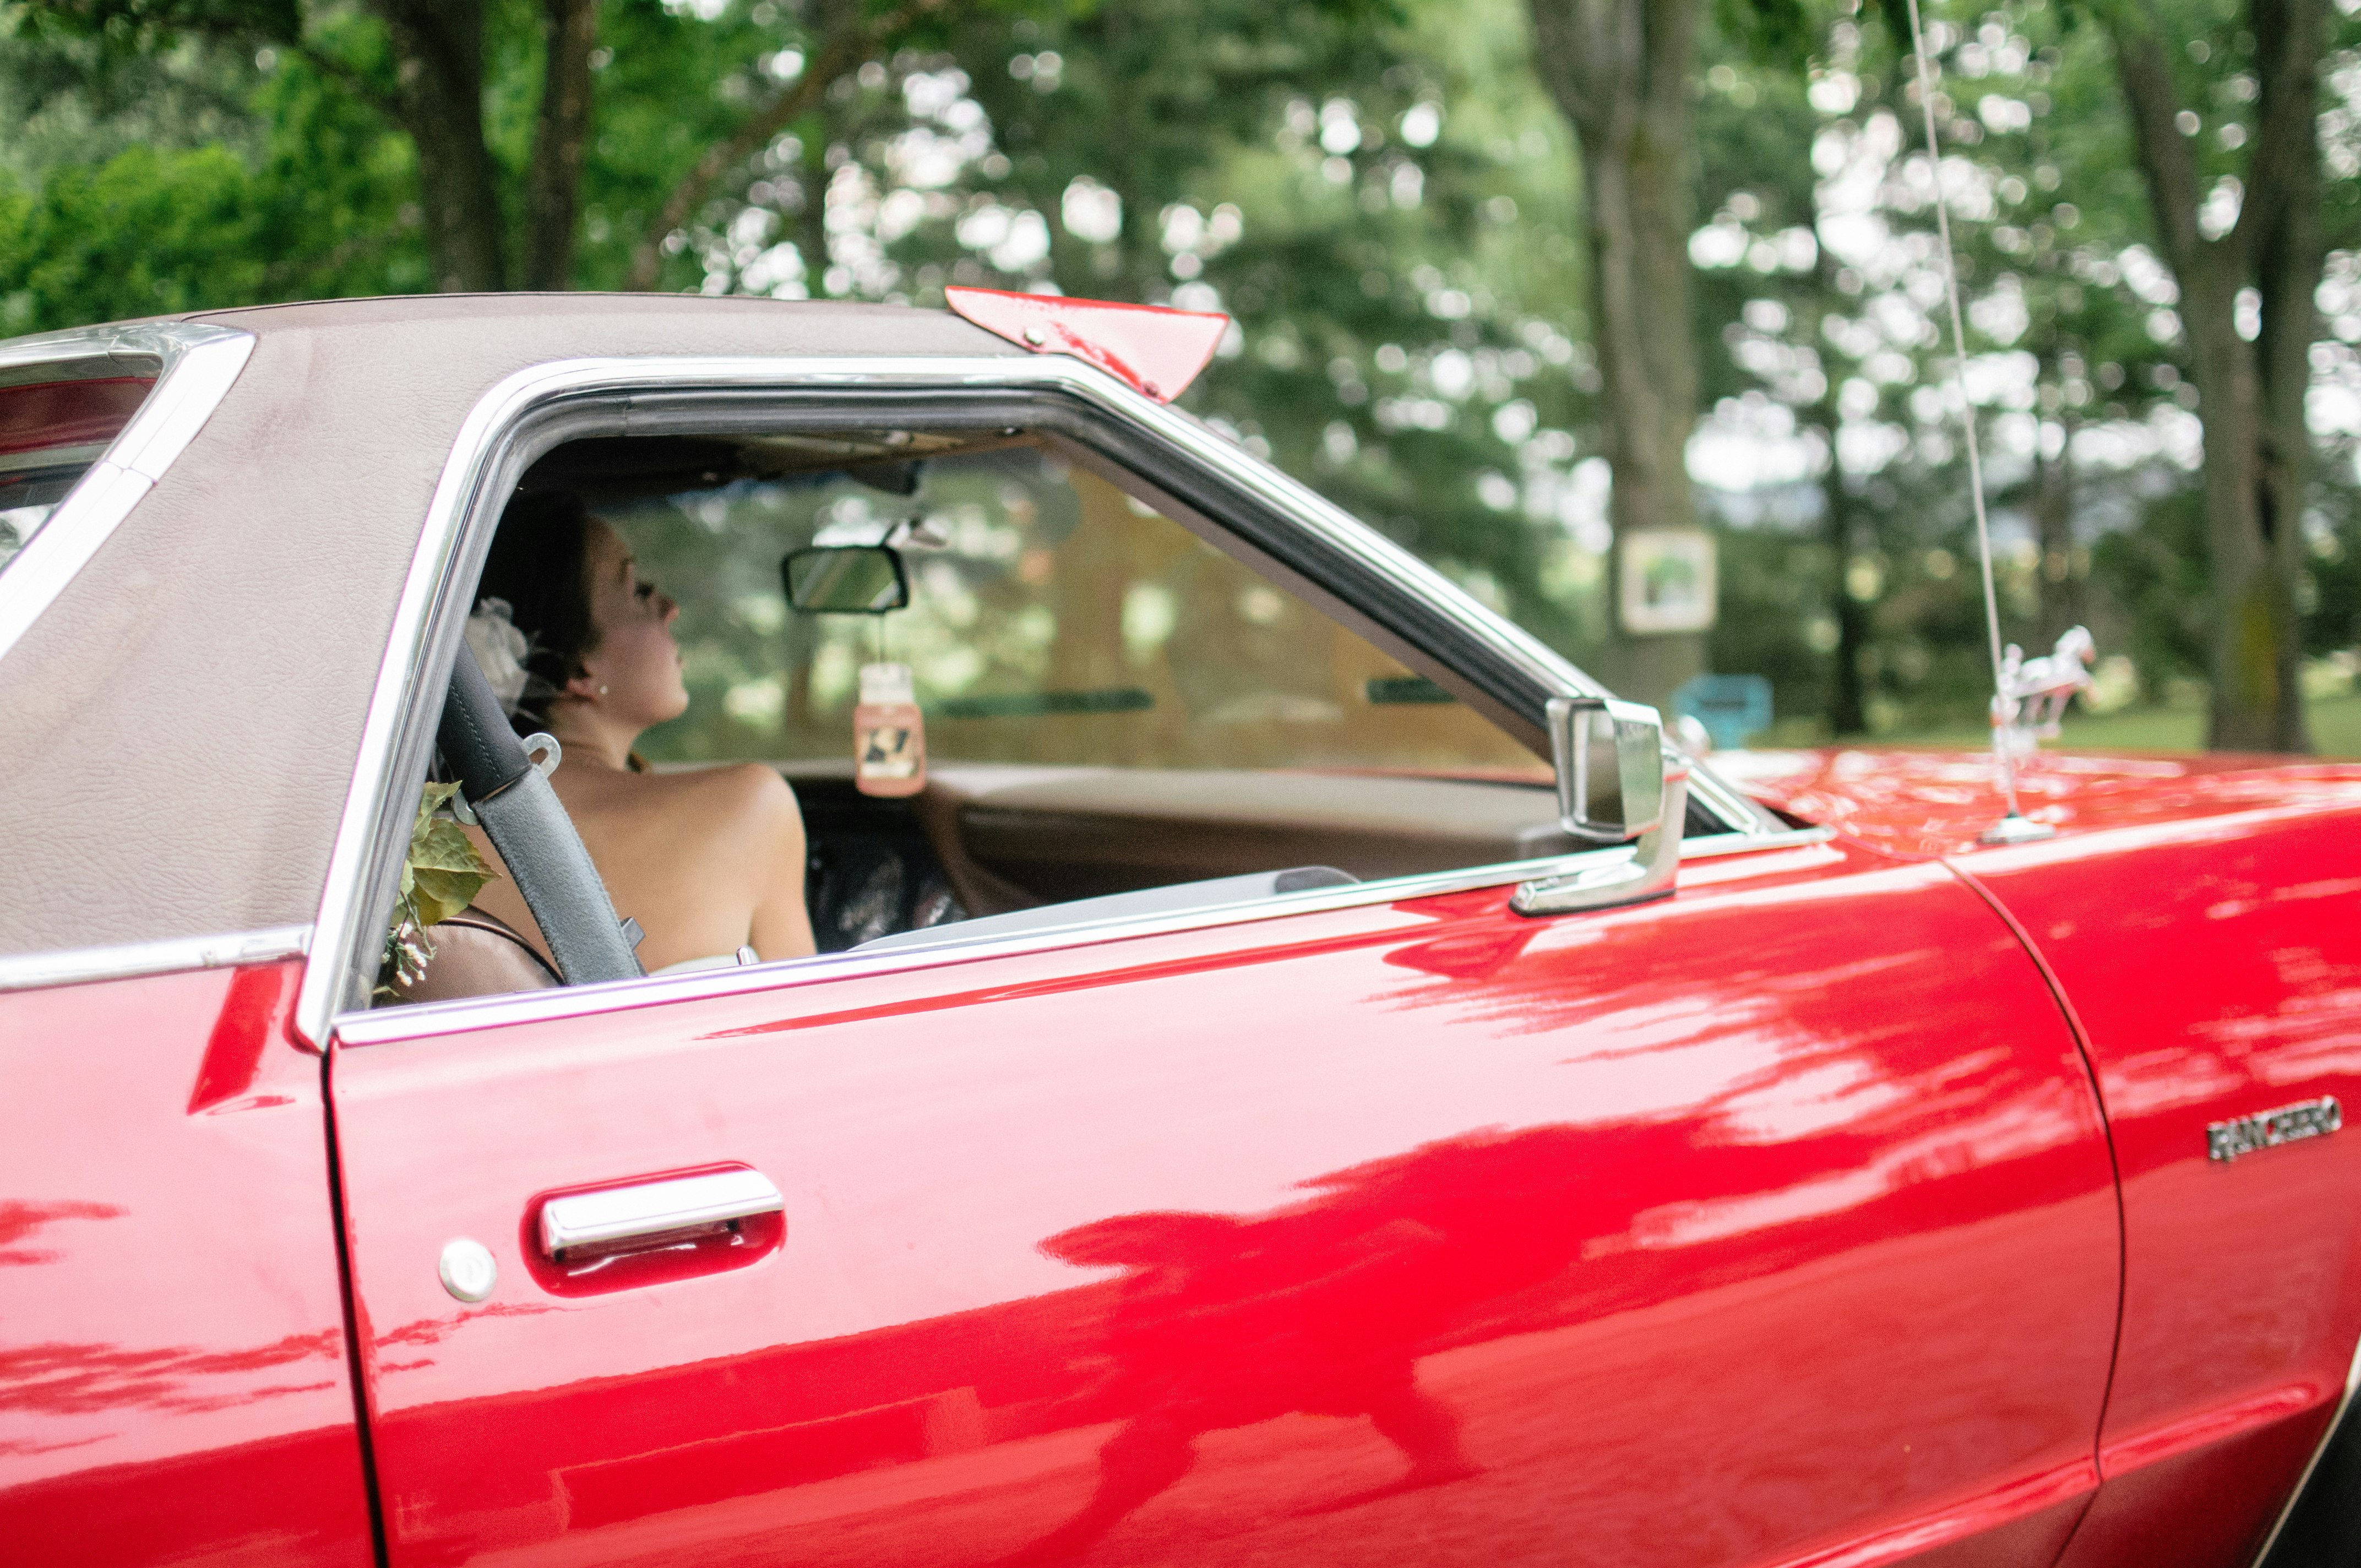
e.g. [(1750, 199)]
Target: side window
[(53, 426), (1119, 719), (1053, 618)]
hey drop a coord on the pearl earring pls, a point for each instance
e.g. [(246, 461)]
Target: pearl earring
[(602, 691)]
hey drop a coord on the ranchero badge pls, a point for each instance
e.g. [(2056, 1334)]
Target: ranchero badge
[(2225, 1141)]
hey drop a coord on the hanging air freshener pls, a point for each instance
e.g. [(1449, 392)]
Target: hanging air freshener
[(889, 734)]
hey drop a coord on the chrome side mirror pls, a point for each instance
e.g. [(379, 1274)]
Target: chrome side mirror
[(1615, 785), (1608, 756)]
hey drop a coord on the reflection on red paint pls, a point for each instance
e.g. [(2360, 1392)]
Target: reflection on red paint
[(1468, 955), (1936, 803), (244, 1029), (21, 1221), (173, 1367), (1323, 1310), (2215, 966), (1297, 1240), (62, 1377)]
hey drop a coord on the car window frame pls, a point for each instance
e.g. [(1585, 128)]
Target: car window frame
[(1243, 506)]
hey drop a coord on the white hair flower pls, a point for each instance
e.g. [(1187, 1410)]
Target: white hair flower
[(501, 650)]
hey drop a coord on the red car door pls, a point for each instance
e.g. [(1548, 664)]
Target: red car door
[(174, 1371), (1769, 1223)]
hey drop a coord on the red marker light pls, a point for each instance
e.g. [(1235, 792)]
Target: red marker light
[(1156, 350)]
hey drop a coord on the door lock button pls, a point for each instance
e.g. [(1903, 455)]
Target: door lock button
[(468, 1271)]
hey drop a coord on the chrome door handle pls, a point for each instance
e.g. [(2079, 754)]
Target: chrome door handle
[(617, 1217)]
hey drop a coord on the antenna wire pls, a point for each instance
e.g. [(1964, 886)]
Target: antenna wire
[(1967, 410)]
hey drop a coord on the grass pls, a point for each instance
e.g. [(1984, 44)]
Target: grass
[(2165, 727)]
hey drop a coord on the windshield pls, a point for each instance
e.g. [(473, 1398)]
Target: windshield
[(1053, 618)]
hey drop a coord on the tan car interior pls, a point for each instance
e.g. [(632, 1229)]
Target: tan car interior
[(1012, 837)]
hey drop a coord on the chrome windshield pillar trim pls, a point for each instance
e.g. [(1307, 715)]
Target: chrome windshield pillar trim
[(197, 365), (633, 396), (78, 965), (2318, 1452), (77, 353), (201, 364), (1286, 492), (1731, 805)]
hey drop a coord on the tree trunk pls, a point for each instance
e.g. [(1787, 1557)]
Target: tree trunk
[(810, 228), (1620, 71), (439, 48), (560, 131), (2255, 637), (2288, 255), (1848, 696), (821, 128), (1847, 710), (2257, 450)]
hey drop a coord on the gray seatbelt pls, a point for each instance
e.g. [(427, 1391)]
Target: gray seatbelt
[(528, 825)]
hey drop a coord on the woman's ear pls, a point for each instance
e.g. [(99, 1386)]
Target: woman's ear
[(583, 687)]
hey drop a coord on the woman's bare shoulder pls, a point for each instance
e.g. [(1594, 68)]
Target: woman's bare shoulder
[(736, 794), (753, 780)]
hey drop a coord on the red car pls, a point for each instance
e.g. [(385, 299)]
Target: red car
[(1295, 1075)]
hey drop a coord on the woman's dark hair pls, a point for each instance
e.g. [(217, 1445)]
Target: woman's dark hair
[(540, 564)]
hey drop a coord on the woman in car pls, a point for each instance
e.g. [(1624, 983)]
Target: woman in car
[(708, 860)]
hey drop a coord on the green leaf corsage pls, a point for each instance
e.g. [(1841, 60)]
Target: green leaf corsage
[(440, 876)]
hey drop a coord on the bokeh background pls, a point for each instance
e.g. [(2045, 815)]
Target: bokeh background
[(1515, 281)]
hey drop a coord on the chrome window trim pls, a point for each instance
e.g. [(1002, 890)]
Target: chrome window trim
[(431, 1020), (195, 365), (569, 398), (87, 354), (1746, 841), (79, 966)]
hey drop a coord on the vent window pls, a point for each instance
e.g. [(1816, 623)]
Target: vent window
[(51, 431)]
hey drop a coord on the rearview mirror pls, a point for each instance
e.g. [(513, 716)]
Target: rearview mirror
[(856, 579), (1615, 786)]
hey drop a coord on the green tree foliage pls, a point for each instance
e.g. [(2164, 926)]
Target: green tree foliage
[(2079, 369), (2224, 107), (1381, 207), (145, 232), (1390, 203), (142, 181)]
